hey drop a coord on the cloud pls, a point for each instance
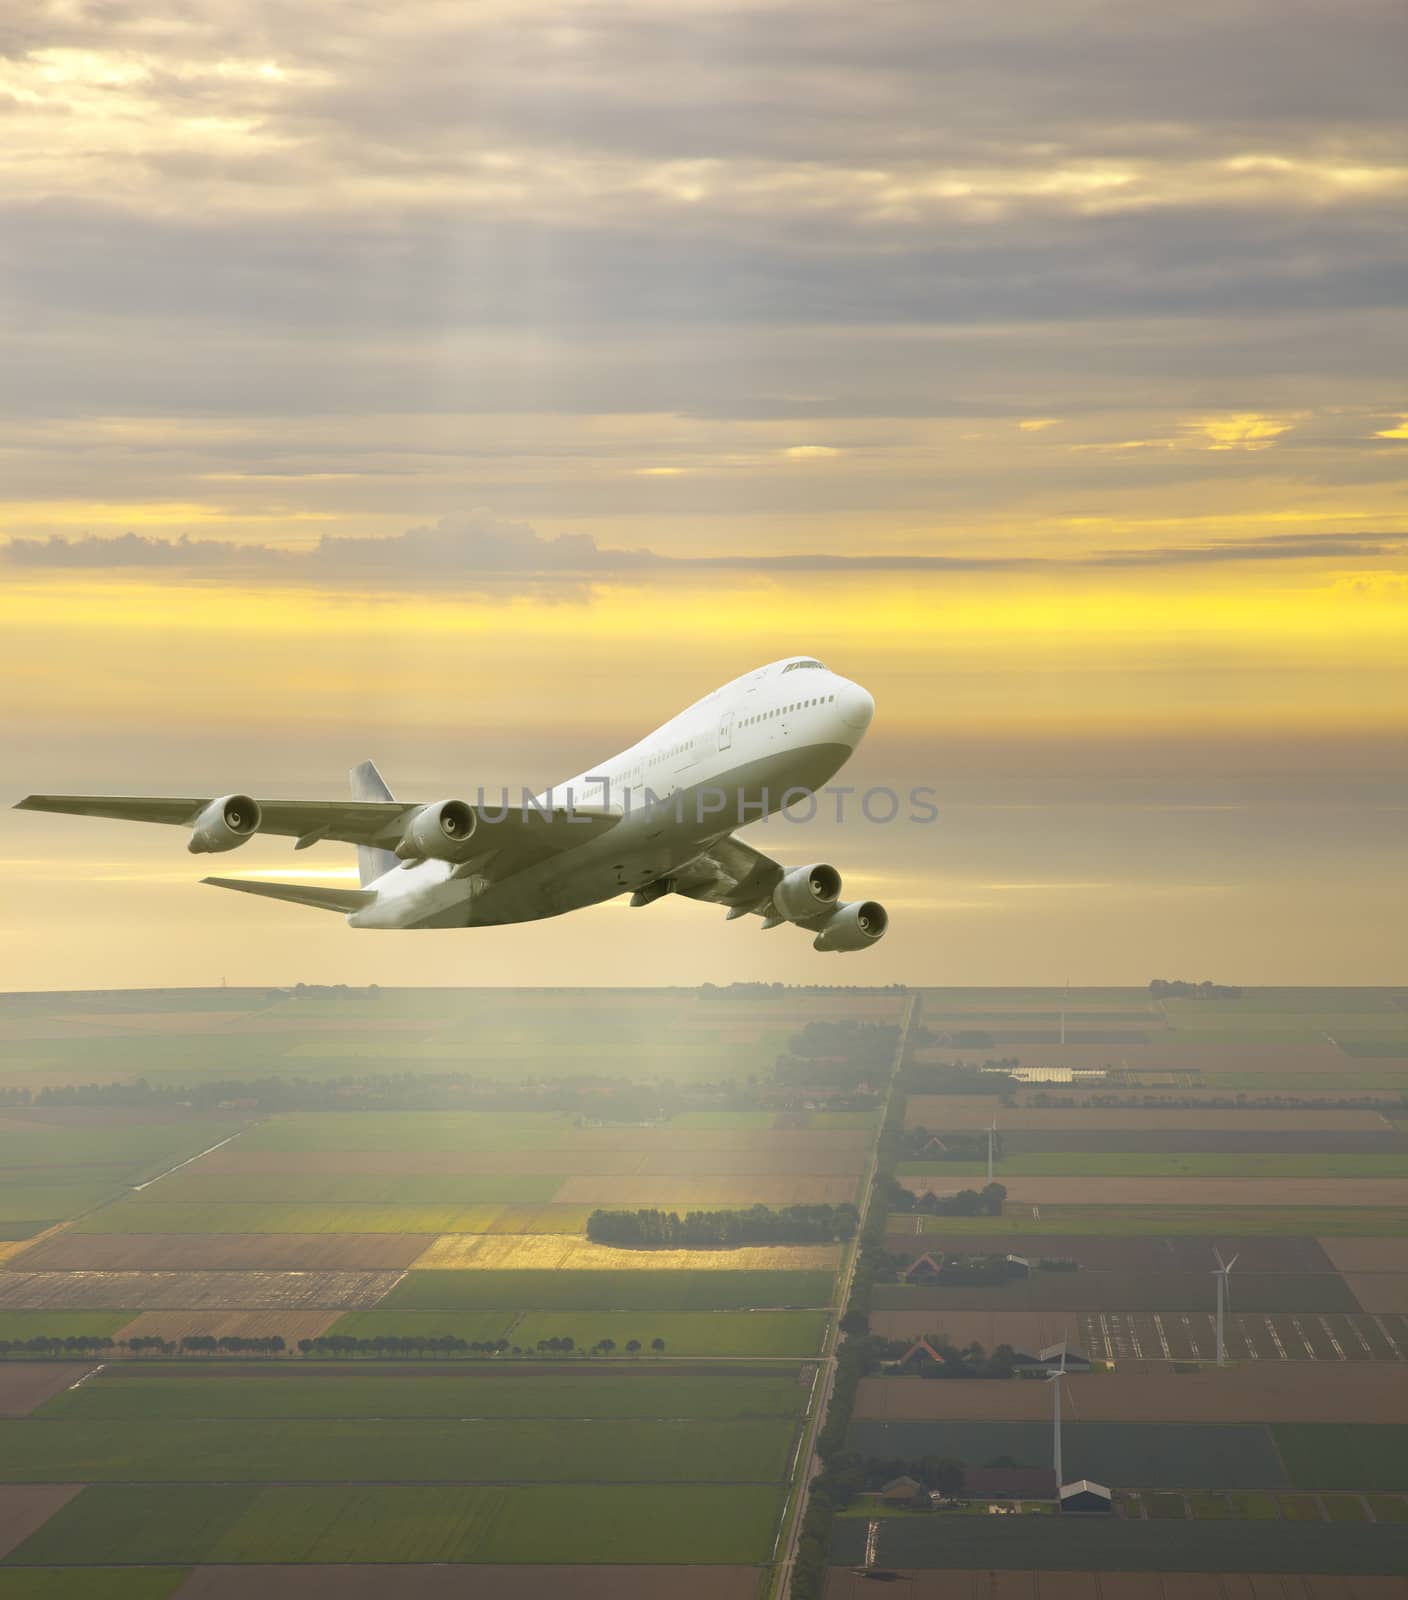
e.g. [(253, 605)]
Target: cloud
[(479, 546)]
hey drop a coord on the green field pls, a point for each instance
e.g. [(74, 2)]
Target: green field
[(686, 1333), (24, 1202), (363, 1450), (556, 1523), (135, 1395), (414, 1132), (1305, 1221), (62, 1324), (130, 1216), (1323, 1455), (59, 1155), (1191, 1164), (197, 1186), (628, 1290)]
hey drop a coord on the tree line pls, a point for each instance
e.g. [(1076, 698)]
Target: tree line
[(87, 1344), (985, 1202), (711, 1230), (449, 1344)]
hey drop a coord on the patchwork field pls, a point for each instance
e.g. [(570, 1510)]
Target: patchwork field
[(939, 1112), (188, 1291), (1070, 1584), (1264, 1393), (142, 1393), (195, 1251), (408, 1226), (644, 1523), (1310, 1193), (693, 1287), (566, 1252)]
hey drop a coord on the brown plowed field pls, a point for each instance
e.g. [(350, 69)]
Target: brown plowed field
[(223, 1291), (1029, 1331), (952, 1110), (1192, 1191), (1367, 1255), (24, 1507), (292, 1325), (1259, 1391), (677, 1192), (27, 1384), (1139, 1252), (925, 1110), (493, 1583), (843, 1584), (220, 1252), (1379, 1291)]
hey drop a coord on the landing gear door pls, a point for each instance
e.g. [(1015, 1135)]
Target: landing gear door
[(726, 730)]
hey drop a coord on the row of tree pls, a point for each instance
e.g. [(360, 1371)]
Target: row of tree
[(87, 1344), (448, 1344), (712, 1230), (985, 1202)]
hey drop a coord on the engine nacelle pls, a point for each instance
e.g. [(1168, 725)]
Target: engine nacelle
[(225, 824), (440, 832), (807, 892), (854, 926)]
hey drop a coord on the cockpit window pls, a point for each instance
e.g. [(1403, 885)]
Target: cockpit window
[(796, 666)]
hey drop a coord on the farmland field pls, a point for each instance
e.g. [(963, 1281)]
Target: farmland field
[(1207, 1221), (566, 1252), (391, 1449), (620, 1290), (324, 1210), (1348, 1393), (1125, 1550), (1143, 1455), (1308, 1193), (146, 1395), (1170, 1165), (637, 1523)]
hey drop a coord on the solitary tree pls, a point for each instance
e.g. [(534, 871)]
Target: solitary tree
[(658, 1346)]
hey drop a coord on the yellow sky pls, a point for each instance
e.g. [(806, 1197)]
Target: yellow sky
[(430, 382)]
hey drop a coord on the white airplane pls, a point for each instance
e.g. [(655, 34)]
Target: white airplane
[(655, 820)]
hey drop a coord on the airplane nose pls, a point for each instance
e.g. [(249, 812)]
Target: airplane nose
[(855, 704)]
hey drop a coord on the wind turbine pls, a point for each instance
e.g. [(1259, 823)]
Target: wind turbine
[(1055, 1379), (1224, 1299), (992, 1131)]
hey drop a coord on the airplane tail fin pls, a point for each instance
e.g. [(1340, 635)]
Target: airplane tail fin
[(368, 784)]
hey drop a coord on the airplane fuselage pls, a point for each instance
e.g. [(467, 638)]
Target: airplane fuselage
[(739, 754)]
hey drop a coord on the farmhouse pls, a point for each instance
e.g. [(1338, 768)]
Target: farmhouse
[(922, 1269), (900, 1490), (1085, 1498), (920, 1354)]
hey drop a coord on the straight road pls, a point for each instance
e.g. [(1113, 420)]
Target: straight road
[(782, 1585)]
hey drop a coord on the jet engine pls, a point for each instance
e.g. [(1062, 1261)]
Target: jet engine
[(225, 824), (854, 926), (439, 832), (807, 892)]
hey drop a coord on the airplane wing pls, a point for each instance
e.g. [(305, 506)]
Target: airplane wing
[(502, 842), (730, 873), (733, 874)]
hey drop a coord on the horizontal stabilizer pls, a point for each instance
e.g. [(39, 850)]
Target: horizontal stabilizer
[(302, 894)]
